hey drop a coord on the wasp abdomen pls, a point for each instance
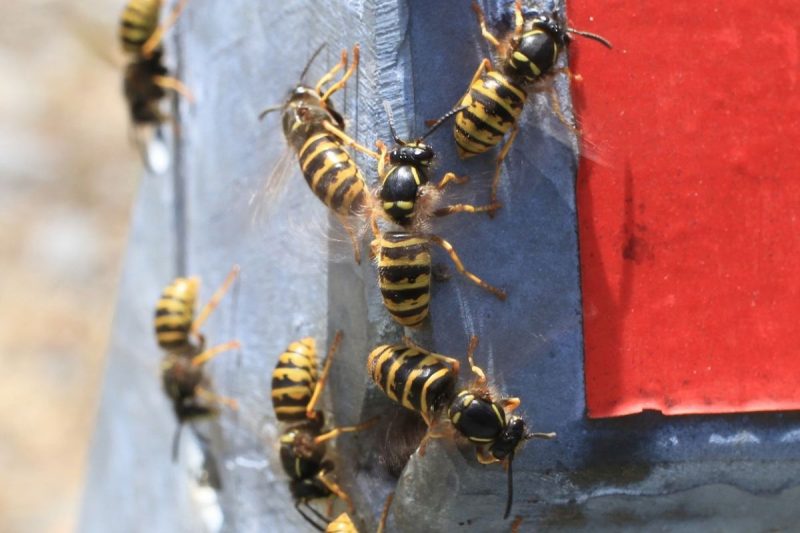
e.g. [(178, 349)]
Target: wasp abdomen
[(174, 313), (332, 174), (418, 381), (404, 276), (138, 22), (342, 524), (294, 380), (494, 103)]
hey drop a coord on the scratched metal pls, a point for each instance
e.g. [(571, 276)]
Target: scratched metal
[(298, 279)]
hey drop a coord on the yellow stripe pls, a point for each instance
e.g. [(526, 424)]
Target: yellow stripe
[(420, 260), (413, 319), (167, 336), (171, 320), (412, 376), (397, 363), (321, 147), (295, 393), (290, 410), (405, 242), (504, 82), (330, 161), (432, 379), (407, 304), (422, 281), (293, 374), (341, 176), (385, 354)]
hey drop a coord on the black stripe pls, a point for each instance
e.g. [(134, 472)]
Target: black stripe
[(492, 108), (163, 311), (282, 383), (307, 367), (504, 93), (168, 345), (472, 139), (311, 148), (402, 295), (385, 368), (481, 124), (396, 274), (342, 189), (166, 328), (409, 251), (408, 313)]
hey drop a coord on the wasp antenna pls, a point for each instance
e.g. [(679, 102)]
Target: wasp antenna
[(443, 119), (269, 110), (593, 36), (390, 116), (176, 443), (311, 61), (510, 497)]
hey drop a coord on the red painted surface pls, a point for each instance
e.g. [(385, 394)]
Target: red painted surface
[(689, 205)]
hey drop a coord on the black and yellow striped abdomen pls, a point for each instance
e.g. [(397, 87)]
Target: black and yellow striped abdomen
[(493, 105), (294, 380), (404, 276), (419, 381), (175, 313), (332, 174), (138, 23)]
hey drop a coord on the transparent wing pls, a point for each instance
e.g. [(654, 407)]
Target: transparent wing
[(262, 202)]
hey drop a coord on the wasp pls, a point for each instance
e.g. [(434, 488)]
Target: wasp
[(178, 334), (406, 196), (405, 270), (496, 96), (314, 130), (425, 382), (342, 524), (296, 389), (146, 80)]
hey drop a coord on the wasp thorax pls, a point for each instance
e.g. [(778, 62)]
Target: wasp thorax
[(537, 50), (478, 419), (300, 458), (304, 112), (416, 153), (509, 439)]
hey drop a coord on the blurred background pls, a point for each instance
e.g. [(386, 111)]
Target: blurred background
[(68, 176)]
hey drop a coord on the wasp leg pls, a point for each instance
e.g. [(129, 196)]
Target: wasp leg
[(323, 377), (466, 208), (169, 82), (385, 513), (516, 523), (335, 432), (451, 177), (510, 404), (556, 105), (484, 457), (478, 371), (382, 152), (434, 432), (215, 299), (353, 237), (447, 247), (445, 359), (211, 353), (349, 141), (519, 20), (155, 40), (336, 489), (499, 164), (339, 84), (484, 30), (332, 72), (216, 398)]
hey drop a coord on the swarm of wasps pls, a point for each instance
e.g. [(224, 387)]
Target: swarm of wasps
[(398, 212)]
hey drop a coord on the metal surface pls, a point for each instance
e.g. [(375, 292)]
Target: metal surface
[(241, 56)]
